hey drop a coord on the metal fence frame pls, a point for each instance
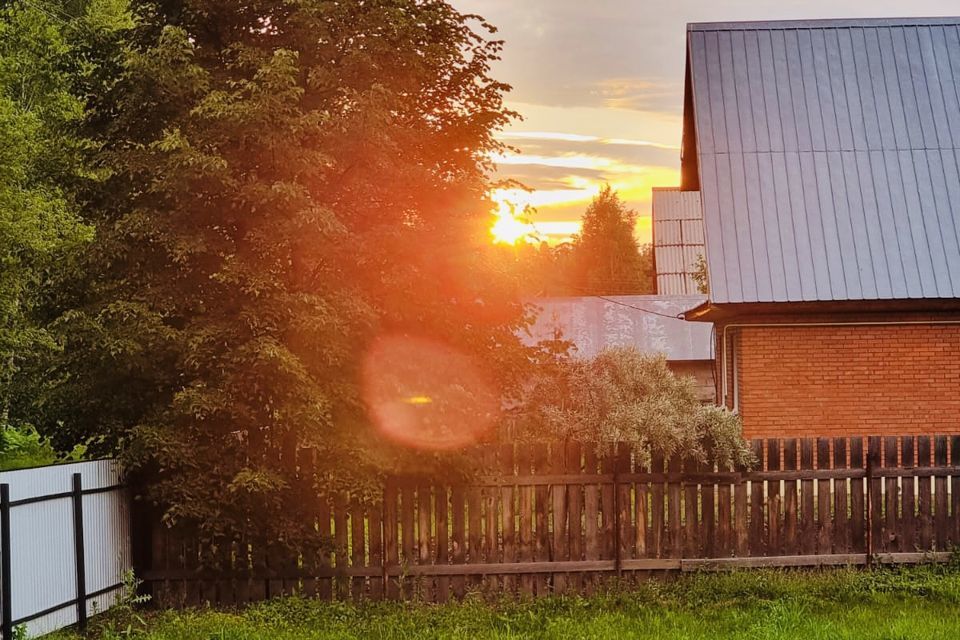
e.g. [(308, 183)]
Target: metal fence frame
[(81, 600)]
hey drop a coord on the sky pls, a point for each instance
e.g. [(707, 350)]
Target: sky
[(599, 84)]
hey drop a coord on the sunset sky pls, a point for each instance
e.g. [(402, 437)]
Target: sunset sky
[(600, 85)]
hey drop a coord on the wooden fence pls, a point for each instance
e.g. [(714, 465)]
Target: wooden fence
[(559, 518)]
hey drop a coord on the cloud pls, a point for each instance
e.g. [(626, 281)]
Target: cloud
[(552, 136), (640, 94)]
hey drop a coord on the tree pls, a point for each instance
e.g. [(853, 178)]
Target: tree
[(41, 156), (288, 184), (623, 396), (607, 258)]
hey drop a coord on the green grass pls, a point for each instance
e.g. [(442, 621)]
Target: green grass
[(916, 603)]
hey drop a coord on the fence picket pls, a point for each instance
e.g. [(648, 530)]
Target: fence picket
[(758, 538), (790, 541), (674, 524), (657, 506), (891, 503), (955, 490), (875, 491), (808, 523), (858, 503), (541, 549), (925, 499), (507, 515), (841, 514), (774, 531), (908, 514), (941, 499), (575, 512), (691, 524)]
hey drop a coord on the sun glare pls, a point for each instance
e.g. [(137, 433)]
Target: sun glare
[(508, 227)]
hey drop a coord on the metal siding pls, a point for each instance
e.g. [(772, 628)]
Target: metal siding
[(853, 264), (869, 270), (692, 231), (745, 230), (777, 252), (771, 99), (677, 239), (42, 541), (758, 101), (936, 192), (947, 49), (731, 267), (701, 94), (758, 232), (713, 228), (715, 104), (830, 172)]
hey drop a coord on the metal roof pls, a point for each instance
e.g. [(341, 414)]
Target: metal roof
[(595, 323), (828, 158), (677, 239)]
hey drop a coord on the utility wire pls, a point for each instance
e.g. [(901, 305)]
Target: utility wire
[(630, 306)]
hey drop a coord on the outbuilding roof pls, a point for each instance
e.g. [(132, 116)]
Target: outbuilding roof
[(652, 324), (826, 156)]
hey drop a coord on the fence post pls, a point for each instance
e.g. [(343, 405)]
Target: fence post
[(617, 553), (873, 453), (6, 572), (78, 551)]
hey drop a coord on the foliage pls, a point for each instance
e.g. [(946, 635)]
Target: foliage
[(41, 155), (606, 257), (700, 274), (917, 603), (603, 260), (22, 447), (284, 182), (623, 396)]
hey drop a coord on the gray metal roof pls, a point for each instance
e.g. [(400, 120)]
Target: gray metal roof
[(828, 158), (677, 239), (595, 323)]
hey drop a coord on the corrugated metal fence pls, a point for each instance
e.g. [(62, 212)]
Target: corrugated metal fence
[(64, 544)]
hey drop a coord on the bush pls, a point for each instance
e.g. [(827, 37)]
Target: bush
[(624, 396), (22, 447)]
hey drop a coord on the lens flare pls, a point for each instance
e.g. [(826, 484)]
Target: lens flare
[(427, 395)]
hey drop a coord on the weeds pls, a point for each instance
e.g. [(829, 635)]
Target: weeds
[(917, 603)]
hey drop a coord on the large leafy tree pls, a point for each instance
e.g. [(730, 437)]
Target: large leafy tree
[(42, 158), (288, 180)]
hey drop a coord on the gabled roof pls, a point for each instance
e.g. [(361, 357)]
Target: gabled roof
[(826, 153)]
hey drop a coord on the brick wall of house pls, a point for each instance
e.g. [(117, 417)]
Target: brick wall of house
[(853, 380)]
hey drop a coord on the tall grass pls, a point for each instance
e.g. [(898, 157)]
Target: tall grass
[(920, 602)]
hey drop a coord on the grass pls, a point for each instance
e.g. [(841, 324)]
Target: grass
[(916, 603)]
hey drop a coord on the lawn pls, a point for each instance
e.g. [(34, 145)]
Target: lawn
[(916, 603)]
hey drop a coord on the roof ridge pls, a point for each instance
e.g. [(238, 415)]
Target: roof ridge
[(822, 23)]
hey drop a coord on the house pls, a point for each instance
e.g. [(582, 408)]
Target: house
[(677, 240), (825, 154), (652, 324)]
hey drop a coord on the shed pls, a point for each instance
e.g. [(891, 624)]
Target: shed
[(652, 324)]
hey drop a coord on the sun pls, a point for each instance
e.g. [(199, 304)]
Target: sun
[(508, 227)]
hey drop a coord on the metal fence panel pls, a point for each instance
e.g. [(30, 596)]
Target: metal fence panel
[(44, 564)]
